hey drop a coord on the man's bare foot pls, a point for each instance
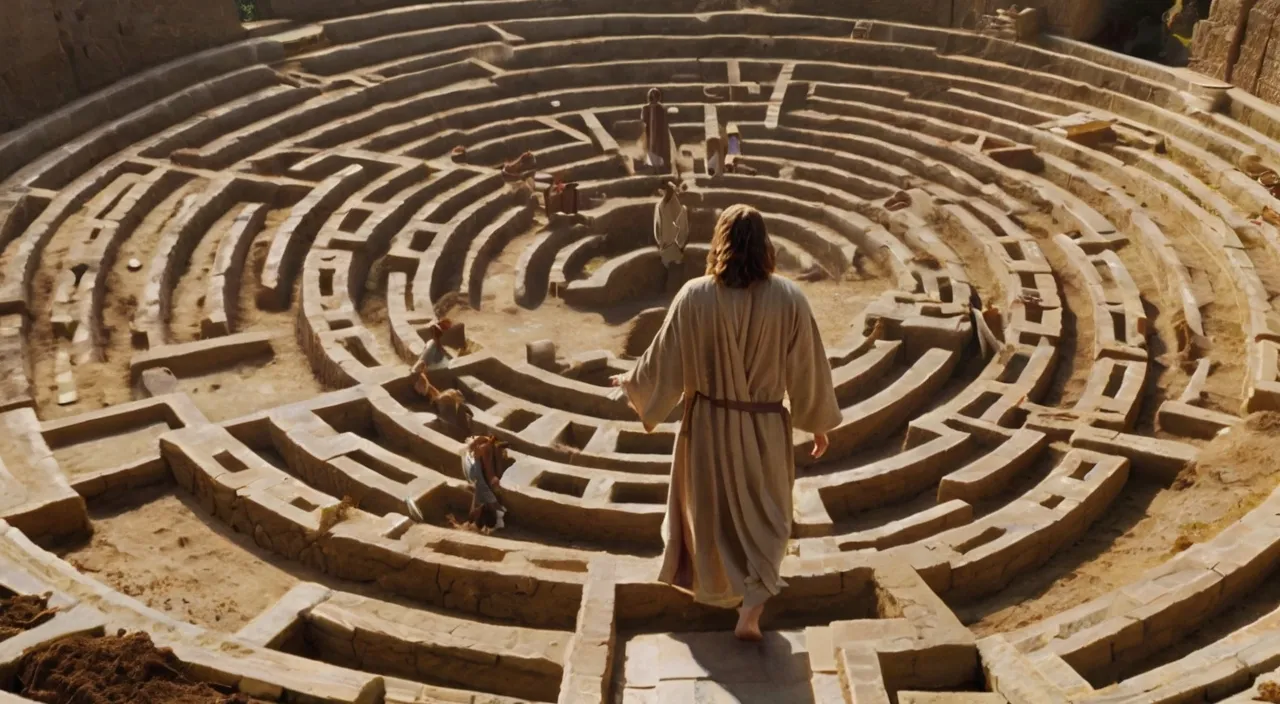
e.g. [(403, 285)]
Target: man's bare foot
[(749, 623)]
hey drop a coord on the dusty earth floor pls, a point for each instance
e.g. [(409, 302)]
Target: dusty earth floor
[(162, 549), (1146, 525), (503, 326)]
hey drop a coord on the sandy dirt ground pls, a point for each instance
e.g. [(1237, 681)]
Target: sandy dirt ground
[(110, 450), (254, 386), (160, 549), (105, 381), (1147, 525), (286, 377), (503, 327)]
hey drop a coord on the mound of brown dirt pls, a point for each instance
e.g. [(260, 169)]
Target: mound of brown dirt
[(21, 613), (125, 669), (1243, 453)]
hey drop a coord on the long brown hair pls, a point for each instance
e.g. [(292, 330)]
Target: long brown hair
[(741, 253)]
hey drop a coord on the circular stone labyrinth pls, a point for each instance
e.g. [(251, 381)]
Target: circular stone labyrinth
[(216, 274)]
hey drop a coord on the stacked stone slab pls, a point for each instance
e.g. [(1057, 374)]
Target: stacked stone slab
[(1216, 44)]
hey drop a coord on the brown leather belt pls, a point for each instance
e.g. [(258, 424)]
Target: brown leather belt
[(753, 407)]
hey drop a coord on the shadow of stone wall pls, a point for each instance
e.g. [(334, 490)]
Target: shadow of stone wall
[(54, 51)]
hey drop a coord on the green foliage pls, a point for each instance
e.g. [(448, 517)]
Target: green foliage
[(248, 10)]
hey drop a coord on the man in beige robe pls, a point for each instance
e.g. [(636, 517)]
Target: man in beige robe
[(670, 226), (731, 354)]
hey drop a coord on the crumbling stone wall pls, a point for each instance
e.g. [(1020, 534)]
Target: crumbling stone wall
[(1215, 46), (918, 11), (54, 51), (1240, 43), (1077, 19)]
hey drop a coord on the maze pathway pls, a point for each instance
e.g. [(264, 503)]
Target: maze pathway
[(216, 275)]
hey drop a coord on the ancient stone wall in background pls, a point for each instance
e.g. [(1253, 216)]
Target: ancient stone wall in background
[(1240, 43), (917, 11), (1077, 19), (1215, 46), (54, 51)]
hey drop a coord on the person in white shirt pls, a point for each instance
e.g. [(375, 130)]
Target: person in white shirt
[(671, 225)]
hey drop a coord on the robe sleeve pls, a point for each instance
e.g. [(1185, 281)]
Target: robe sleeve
[(656, 384), (814, 407), (682, 227)]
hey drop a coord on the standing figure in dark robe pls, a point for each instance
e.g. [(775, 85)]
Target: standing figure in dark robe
[(657, 133)]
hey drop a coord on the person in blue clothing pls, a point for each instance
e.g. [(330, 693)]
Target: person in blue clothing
[(484, 460), (482, 465)]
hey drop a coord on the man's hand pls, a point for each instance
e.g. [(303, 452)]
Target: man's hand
[(820, 444)]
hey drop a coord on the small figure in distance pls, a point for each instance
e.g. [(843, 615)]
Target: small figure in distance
[(483, 463), (561, 197), (670, 225), (521, 167), (657, 132), (449, 404), (733, 148)]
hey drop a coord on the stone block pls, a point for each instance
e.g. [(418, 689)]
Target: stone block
[(1216, 41), (1259, 28), (907, 697)]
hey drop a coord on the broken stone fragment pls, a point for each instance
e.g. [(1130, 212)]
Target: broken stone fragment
[(542, 354), (1085, 129), (158, 381), (1019, 157), (898, 201), (1027, 23)]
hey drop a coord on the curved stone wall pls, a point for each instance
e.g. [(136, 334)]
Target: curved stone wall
[(55, 51)]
